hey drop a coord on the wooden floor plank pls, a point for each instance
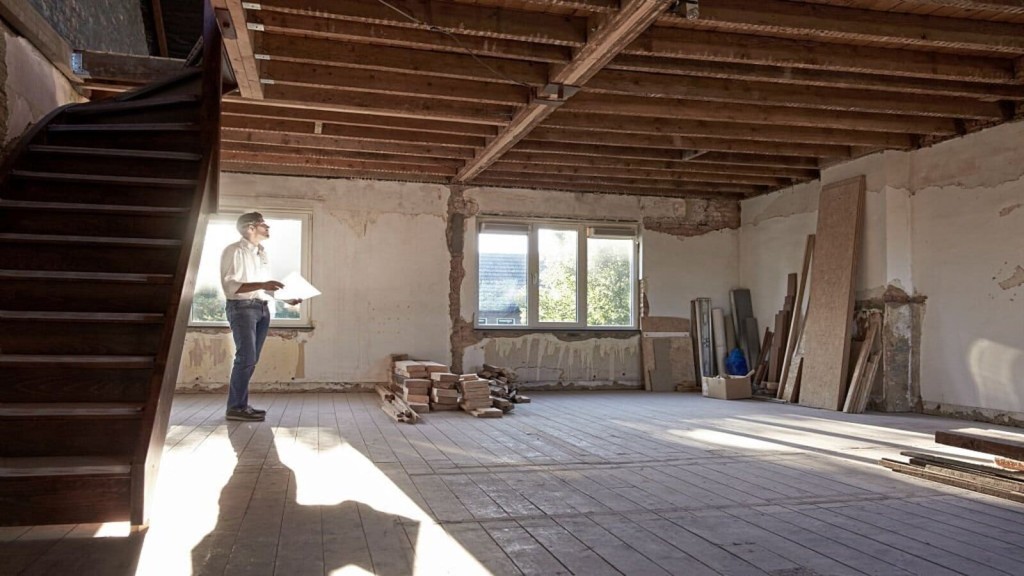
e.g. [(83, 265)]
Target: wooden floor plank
[(587, 483)]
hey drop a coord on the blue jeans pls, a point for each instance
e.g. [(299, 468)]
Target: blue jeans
[(249, 321)]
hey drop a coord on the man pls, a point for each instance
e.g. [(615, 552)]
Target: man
[(248, 287)]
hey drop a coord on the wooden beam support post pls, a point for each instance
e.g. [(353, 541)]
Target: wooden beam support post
[(238, 44)]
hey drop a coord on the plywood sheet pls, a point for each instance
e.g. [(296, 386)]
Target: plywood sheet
[(826, 336), (668, 363)]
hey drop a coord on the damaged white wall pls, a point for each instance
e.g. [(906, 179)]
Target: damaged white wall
[(381, 259), (945, 222)]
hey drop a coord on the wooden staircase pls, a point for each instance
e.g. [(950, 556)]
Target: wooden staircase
[(102, 212)]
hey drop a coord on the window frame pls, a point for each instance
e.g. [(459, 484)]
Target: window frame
[(584, 231), (305, 217)]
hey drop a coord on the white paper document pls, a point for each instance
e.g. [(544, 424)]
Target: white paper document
[(296, 288)]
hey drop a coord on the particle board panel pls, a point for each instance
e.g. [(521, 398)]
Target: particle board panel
[(830, 306)]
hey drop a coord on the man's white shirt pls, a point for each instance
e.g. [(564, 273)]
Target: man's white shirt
[(244, 262)]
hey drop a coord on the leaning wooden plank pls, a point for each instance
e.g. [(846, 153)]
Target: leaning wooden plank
[(860, 368), (868, 382), (950, 480), (794, 321), (990, 445), (830, 308), (397, 404)]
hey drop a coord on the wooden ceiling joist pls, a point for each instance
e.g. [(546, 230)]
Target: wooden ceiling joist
[(610, 96), (311, 27), (700, 128), (818, 55), (317, 142), (238, 45), (604, 162), (424, 14), (561, 135), (388, 105), (799, 19), (757, 114), (351, 119), (385, 58)]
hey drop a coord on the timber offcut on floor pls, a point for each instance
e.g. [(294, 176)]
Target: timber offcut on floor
[(574, 483)]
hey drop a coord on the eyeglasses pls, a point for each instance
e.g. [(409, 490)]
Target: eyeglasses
[(260, 225)]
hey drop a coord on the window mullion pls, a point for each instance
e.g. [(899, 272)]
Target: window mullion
[(581, 273), (533, 278)]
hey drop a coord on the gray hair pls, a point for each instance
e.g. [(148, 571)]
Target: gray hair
[(246, 220)]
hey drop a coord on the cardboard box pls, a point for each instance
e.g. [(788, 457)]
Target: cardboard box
[(727, 388)]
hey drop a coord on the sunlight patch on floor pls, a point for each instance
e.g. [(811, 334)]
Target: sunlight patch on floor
[(186, 507), (341, 473)]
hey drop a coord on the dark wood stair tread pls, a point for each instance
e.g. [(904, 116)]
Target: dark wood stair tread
[(63, 466), (80, 317), (74, 361), (16, 409), (94, 208), (90, 240), (108, 277), (115, 127), (113, 152), (104, 179), (129, 105)]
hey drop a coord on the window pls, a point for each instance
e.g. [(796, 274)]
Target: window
[(288, 248), (556, 275)]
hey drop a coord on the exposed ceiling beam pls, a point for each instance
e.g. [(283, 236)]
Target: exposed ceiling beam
[(698, 128), (388, 105), (856, 24), (718, 90), (769, 51), (608, 37), (393, 83), (556, 135), (158, 24), (757, 114), (295, 26), (450, 164), (810, 77), (323, 162), (327, 116), (343, 131), (318, 171), (316, 141), (1002, 6), (499, 169), (238, 45), (772, 166), (596, 186), (424, 14), (669, 152), (409, 60)]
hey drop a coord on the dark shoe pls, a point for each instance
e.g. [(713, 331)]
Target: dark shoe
[(257, 411), (246, 414)]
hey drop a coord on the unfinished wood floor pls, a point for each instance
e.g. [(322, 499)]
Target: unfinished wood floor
[(575, 483)]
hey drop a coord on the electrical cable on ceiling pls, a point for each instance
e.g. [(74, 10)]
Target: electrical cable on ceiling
[(434, 28)]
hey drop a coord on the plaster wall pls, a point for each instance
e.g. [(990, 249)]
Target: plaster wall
[(382, 260), (943, 222), (32, 87), (968, 258)]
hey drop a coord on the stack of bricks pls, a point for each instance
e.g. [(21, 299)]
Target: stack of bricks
[(443, 394), (413, 379)]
